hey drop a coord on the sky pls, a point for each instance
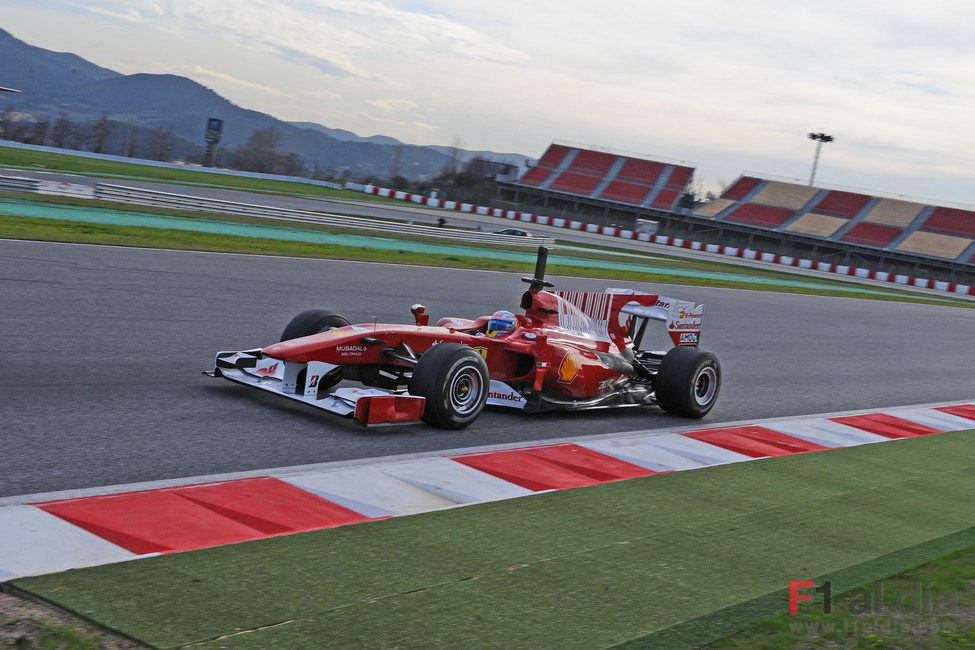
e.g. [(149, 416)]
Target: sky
[(727, 86)]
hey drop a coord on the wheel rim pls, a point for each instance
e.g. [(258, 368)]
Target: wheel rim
[(464, 391), (705, 386)]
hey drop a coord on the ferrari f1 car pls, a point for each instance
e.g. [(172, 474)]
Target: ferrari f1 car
[(567, 351)]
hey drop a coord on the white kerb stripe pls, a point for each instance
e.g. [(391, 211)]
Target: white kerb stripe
[(370, 491), (454, 481), (33, 541), (692, 449), (936, 419), (826, 433), (637, 452)]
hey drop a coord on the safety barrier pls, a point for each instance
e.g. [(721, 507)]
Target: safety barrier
[(623, 233), (156, 198), (18, 184)]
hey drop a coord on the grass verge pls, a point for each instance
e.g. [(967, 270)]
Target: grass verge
[(360, 248), (675, 559), (16, 158), (930, 606)]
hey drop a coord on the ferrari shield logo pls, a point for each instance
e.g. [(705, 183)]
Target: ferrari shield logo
[(482, 352)]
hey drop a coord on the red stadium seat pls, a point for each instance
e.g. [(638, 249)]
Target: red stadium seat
[(665, 199), (592, 162), (575, 183), (759, 215), (951, 221), (740, 188), (841, 204), (871, 234), (640, 171), (679, 177), (625, 192)]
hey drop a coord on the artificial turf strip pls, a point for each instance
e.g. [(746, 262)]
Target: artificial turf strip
[(610, 564)]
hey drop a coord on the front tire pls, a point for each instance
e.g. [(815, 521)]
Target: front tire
[(314, 321), (688, 382), (454, 380)]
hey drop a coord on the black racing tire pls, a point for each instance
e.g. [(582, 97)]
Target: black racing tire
[(688, 382), (454, 380), (313, 321)]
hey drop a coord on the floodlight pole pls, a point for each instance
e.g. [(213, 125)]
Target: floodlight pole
[(820, 138)]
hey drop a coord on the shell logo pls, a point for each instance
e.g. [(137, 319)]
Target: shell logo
[(569, 368)]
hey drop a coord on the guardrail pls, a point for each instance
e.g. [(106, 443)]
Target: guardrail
[(18, 184), (156, 198)]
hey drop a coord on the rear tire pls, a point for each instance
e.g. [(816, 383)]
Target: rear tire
[(454, 380), (314, 321), (688, 382)]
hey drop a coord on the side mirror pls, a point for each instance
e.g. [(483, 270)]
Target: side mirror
[(420, 314)]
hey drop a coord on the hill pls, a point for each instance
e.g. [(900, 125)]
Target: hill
[(57, 84)]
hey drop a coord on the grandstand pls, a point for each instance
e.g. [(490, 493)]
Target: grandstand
[(772, 215), (858, 220), (609, 177)]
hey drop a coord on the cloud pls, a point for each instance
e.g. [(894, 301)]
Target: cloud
[(704, 79), (393, 105), (226, 78), (337, 37)]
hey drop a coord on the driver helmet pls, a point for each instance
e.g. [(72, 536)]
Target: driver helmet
[(501, 323)]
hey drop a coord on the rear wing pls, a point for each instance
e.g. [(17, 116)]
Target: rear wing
[(604, 313), (683, 319)]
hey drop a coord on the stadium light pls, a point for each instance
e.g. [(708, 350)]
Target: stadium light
[(820, 138)]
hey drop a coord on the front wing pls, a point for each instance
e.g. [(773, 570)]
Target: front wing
[(368, 406)]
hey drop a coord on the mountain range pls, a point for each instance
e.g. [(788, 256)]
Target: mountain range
[(56, 84)]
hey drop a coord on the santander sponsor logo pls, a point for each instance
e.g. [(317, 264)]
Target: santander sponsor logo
[(506, 397)]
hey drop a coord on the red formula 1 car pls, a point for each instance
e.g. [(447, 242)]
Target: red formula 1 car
[(569, 350)]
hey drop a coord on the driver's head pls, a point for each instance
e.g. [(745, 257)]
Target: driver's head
[(501, 323)]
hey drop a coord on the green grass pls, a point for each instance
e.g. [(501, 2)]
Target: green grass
[(58, 162), (945, 616), (675, 559), (138, 236)]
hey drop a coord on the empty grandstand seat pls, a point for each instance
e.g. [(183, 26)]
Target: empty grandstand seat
[(553, 155), (713, 208), (592, 162), (640, 171), (951, 221), (535, 176), (842, 204), (740, 188), (817, 225), (871, 234), (785, 195), (759, 215), (665, 199), (935, 245), (679, 176), (575, 183), (625, 192), (893, 212)]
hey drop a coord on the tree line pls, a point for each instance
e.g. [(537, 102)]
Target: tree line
[(260, 153), (471, 181)]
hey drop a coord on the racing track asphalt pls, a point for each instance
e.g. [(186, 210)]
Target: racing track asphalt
[(100, 377)]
